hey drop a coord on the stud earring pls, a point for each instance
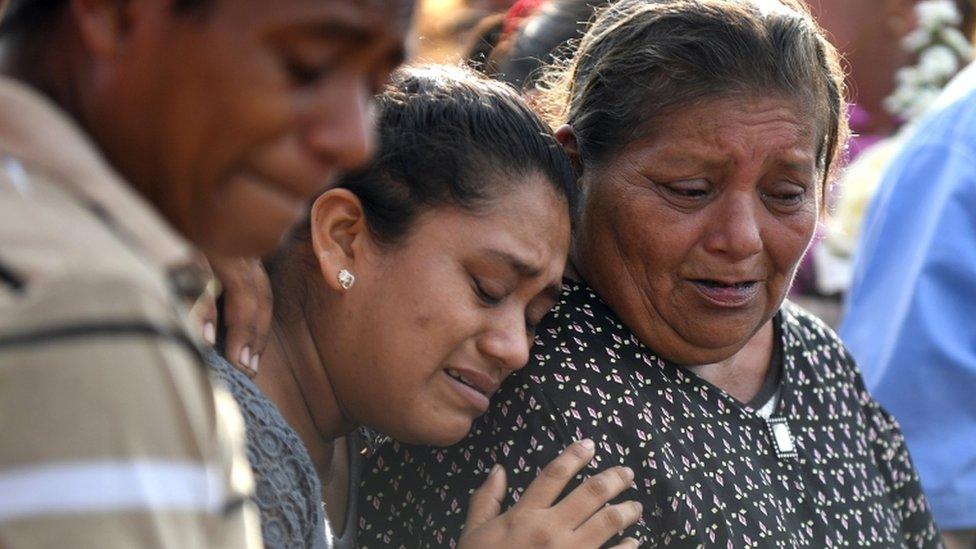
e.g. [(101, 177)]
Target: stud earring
[(346, 279)]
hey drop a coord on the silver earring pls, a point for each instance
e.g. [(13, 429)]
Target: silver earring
[(346, 279)]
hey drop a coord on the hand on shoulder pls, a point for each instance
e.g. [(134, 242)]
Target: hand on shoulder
[(582, 519)]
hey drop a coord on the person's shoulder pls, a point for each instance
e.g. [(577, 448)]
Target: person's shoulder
[(809, 338), (262, 417), (806, 324), (49, 236), (239, 385), (580, 330)]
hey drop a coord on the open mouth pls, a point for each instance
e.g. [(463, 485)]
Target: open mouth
[(464, 381)]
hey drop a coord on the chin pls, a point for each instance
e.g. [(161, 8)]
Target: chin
[(441, 433), (710, 343)]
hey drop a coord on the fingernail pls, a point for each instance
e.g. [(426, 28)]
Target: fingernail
[(245, 358), (638, 508), (587, 444), (628, 474), (255, 362), (209, 333), (495, 470)]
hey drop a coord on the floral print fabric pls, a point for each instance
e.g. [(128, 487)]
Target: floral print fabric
[(707, 472)]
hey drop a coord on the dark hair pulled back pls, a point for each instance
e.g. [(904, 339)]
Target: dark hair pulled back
[(450, 137)]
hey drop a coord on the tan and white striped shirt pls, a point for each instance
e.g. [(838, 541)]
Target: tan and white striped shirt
[(110, 432)]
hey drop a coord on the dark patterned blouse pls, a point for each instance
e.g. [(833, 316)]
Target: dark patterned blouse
[(828, 467)]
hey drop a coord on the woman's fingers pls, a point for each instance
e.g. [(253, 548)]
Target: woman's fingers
[(247, 310), (206, 311), (593, 494), (486, 502), (607, 522), (556, 475), (581, 520)]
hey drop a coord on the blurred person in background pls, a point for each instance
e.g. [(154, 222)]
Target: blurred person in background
[(912, 304), (704, 134), (131, 134), (893, 72), (939, 45)]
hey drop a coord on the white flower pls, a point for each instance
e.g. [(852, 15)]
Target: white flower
[(938, 63), (933, 14), (955, 40), (909, 77), (917, 39), (941, 48)]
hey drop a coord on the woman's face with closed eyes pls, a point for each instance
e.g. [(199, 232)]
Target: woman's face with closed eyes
[(436, 322), (693, 234)]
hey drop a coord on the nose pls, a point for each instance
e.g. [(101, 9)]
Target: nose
[(734, 227), (342, 132), (507, 345)]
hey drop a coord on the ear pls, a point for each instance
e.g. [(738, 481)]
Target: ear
[(339, 234), (104, 24), (566, 136)]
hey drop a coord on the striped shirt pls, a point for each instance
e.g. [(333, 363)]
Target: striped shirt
[(111, 434)]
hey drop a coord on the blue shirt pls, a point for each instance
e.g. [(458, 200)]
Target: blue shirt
[(911, 318)]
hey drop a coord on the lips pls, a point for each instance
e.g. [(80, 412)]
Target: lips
[(476, 387), (727, 293)]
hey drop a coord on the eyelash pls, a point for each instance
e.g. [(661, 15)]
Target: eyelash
[(687, 193), (485, 297), (791, 199), (787, 198)]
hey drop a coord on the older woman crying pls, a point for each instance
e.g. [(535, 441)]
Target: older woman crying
[(703, 134)]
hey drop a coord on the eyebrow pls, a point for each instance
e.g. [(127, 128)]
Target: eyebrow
[(342, 30), (353, 34), (526, 270)]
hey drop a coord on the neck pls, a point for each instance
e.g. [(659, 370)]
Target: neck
[(742, 375), (293, 376)]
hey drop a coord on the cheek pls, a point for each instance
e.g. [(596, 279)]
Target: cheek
[(787, 241), (659, 239), (422, 314), (423, 321)]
